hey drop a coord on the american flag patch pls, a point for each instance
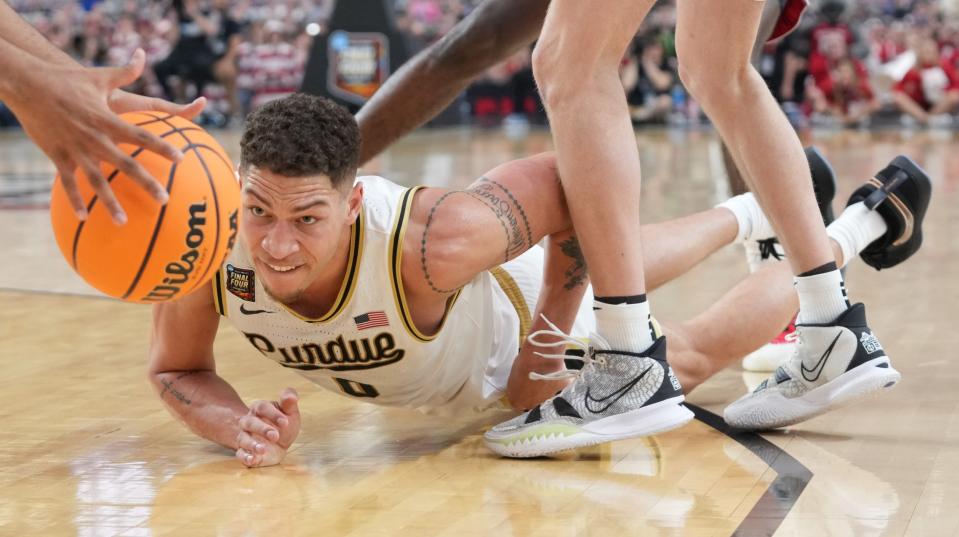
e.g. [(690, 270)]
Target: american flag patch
[(371, 320)]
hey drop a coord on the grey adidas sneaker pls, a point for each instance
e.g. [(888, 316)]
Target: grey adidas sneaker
[(617, 395), (833, 364)]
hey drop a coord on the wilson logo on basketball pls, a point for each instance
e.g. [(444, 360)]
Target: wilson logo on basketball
[(178, 272)]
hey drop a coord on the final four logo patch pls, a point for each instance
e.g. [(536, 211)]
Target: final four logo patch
[(241, 282)]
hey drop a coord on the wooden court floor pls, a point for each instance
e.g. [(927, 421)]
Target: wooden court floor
[(87, 449)]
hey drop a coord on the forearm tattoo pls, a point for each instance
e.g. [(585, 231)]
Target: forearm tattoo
[(508, 211), (168, 387), (576, 273)]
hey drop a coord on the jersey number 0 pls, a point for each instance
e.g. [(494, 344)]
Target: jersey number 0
[(356, 389)]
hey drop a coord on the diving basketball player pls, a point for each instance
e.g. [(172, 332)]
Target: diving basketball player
[(423, 297)]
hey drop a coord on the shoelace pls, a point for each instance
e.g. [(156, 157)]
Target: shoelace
[(564, 339)]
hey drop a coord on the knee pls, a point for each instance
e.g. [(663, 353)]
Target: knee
[(560, 79), (713, 80), (546, 72)]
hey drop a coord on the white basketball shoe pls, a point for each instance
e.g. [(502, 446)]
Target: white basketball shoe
[(617, 395)]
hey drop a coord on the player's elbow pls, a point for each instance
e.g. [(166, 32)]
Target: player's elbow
[(443, 255)]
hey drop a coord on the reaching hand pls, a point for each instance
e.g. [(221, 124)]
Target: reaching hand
[(268, 430), (71, 114)]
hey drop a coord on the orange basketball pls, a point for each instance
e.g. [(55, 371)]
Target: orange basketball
[(163, 252)]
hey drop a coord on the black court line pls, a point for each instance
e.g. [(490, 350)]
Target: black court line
[(781, 495)]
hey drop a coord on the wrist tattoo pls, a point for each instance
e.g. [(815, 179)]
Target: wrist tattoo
[(168, 387), (577, 272)]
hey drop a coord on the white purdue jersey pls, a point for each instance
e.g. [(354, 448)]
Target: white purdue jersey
[(366, 346)]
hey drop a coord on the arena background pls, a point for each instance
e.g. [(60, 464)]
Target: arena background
[(89, 450), (845, 63)]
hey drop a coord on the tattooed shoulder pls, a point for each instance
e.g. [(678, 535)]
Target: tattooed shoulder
[(505, 207)]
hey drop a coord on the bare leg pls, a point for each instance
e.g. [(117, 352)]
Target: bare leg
[(676, 246), (429, 82), (737, 185), (771, 12), (765, 147), (741, 321), (576, 63)]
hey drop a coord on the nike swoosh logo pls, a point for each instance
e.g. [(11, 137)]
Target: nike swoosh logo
[(817, 369), (245, 311), (618, 394)]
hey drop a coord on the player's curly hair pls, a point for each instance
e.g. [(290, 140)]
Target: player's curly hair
[(302, 135)]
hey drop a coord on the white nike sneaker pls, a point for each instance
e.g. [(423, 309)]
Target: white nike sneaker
[(833, 364), (763, 251), (617, 395), (775, 353)]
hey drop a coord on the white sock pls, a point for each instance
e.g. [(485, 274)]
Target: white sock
[(856, 228), (625, 327), (822, 297), (753, 224)]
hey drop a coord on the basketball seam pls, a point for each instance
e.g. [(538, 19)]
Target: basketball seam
[(153, 120), (153, 238), (110, 178), (216, 199), (189, 147), (156, 228)]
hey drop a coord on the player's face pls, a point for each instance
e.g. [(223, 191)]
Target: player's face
[(295, 229)]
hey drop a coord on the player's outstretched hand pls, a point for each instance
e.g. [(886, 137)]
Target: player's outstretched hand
[(71, 114), (268, 430)]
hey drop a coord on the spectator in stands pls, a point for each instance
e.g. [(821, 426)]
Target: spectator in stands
[(846, 94), (648, 77), (929, 92), (226, 44), (89, 48), (832, 34), (205, 36), (272, 64)]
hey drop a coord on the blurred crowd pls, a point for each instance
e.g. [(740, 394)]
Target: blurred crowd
[(237, 53), (851, 63)]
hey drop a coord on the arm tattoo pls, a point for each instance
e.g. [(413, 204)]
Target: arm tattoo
[(577, 272), (426, 229), (509, 215), (508, 211), (168, 387)]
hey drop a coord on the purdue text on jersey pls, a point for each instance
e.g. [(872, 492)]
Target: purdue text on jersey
[(339, 354)]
